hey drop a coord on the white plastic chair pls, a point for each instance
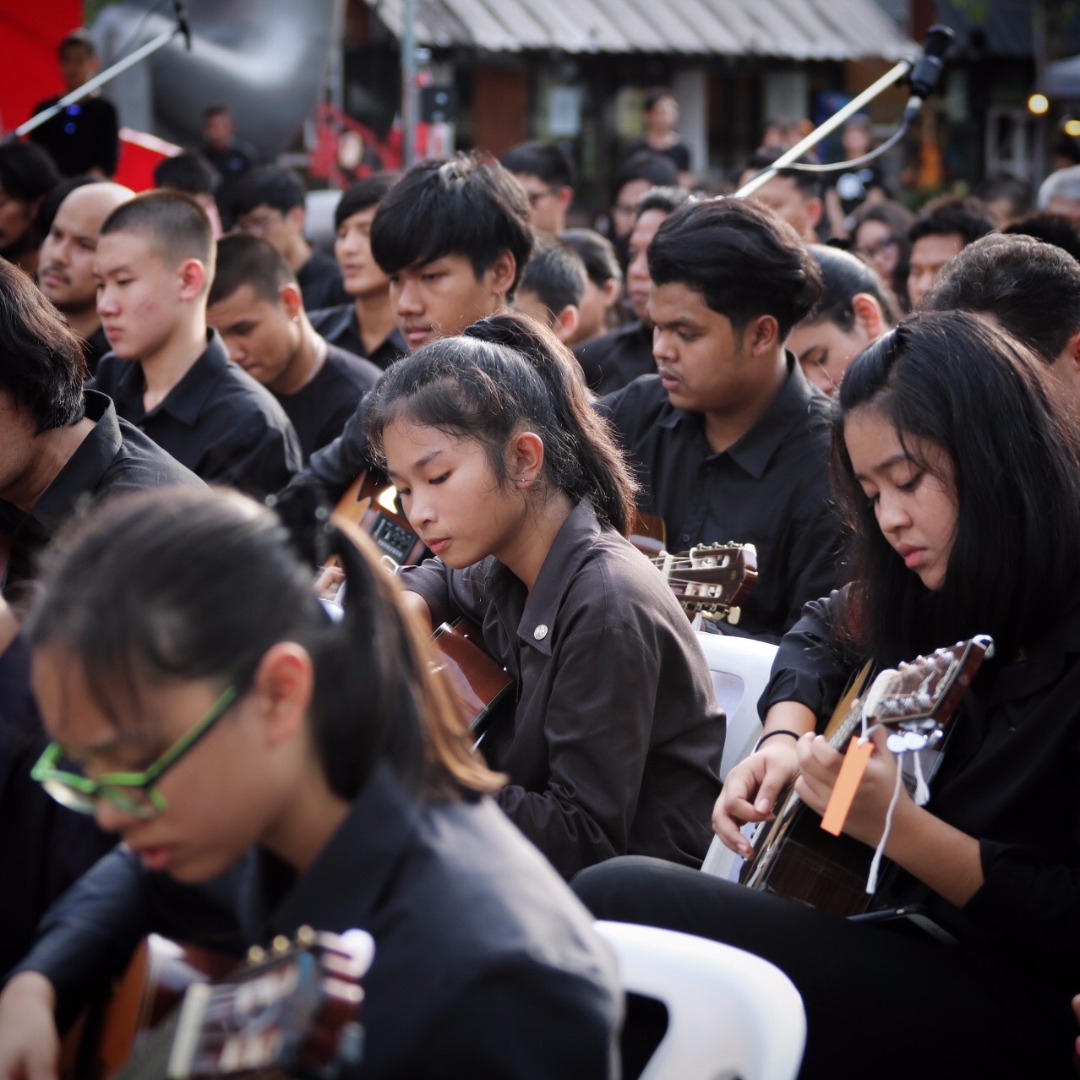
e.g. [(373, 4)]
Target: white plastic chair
[(730, 1013), (740, 671)]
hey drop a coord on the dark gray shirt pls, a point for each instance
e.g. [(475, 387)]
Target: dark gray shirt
[(614, 744)]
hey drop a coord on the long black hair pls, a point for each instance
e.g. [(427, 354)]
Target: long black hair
[(184, 584), (982, 397), (508, 372)]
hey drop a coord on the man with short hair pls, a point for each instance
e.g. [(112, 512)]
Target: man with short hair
[(167, 373), (256, 306), (941, 230), (793, 195), (1025, 286), (453, 236), (84, 137), (546, 173), (730, 440), (553, 287), (365, 326), (270, 203), (613, 360), (66, 274)]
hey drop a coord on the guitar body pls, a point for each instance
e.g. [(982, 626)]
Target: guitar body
[(793, 856), (478, 682)]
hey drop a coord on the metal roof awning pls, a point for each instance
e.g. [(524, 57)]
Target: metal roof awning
[(788, 29)]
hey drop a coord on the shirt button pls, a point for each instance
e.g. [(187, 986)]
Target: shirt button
[(540, 632)]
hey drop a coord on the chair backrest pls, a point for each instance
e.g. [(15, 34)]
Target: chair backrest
[(730, 1013), (740, 670)]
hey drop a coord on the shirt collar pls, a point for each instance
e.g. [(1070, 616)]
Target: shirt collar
[(343, 886), (572, 542), (755, 449), (83, 471), (185, 401)]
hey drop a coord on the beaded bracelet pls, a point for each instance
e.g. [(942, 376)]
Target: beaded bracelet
[(779, 731)]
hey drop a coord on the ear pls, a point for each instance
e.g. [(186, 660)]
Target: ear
[(282, 688), (815, 208), (500, 274), (192, 277), (525, 458), (291, 300), (868, 315), (610, 291), (566, 323), (761, 335), (565, 195)]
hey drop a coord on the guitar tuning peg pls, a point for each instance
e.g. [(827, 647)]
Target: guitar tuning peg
[(734, 615), (256, 954), (306, 936), (280, 944)]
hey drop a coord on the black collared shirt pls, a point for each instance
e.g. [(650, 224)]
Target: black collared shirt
[(615, 739), (485, 964), (340, 326), (613, 360), (771, 489), (217, 420), (320, 409), (94, 348), (113, 458), (320, 282)]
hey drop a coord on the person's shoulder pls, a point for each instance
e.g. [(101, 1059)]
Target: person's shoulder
[(343, 366), (141, 463), (639, 405), (247, 399)]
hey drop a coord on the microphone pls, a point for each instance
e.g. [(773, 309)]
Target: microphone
[(928, 69), (185, 29)]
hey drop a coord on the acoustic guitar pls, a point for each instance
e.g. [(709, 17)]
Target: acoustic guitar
[(477, 681), (793, 856), (711, 580), (290, 1010)]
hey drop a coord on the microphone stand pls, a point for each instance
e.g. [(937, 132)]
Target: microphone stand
[(923, 75), (103, 77)]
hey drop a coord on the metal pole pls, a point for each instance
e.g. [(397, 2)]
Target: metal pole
[(100, 79), (409, 101), (894, 75)]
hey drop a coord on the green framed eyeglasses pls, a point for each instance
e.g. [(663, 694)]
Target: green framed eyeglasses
[(131, 792)]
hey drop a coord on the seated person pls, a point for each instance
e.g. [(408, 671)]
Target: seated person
[(959, 473), (256, 306), (855, 308), (553, 287), (601, 307), (168, 374), (515, 484), (730, 440), (322, 766)]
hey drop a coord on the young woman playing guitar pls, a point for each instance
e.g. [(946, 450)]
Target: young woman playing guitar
[(959, 470), (207, 709), (514, 482)]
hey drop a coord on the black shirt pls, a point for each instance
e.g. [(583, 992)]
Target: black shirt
[(114, 457), (319, 410), (485, 964), (615, 359), (217, 420), (771, 489), (320, 282), (1007, 777), (678, 153), (340, 326), (615, 741), (84, 136)]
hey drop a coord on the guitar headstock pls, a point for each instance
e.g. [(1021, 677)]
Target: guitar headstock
[(712, 579), (917, 698), (290, 1009)]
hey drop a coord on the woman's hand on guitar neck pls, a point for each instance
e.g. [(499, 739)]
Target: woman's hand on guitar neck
[(753, 786), (29, 1043)]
